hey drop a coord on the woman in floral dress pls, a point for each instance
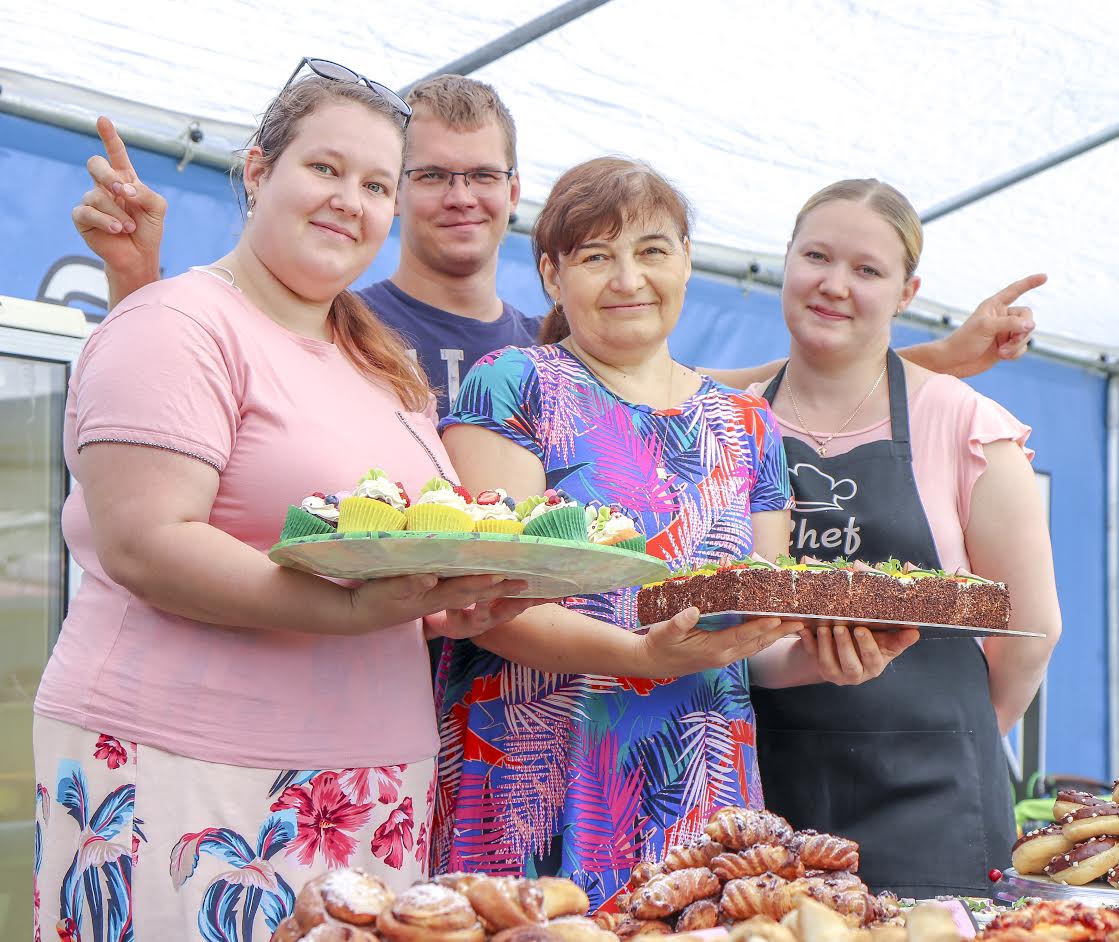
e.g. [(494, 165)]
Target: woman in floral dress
[(557, 767)]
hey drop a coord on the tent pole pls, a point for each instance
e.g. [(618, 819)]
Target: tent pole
[(1022, 173), (512, 40), (1112, 467)]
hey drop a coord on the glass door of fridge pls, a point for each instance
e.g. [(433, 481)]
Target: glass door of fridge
[(34, 574)]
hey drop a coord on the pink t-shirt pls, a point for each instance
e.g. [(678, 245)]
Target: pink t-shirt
[(190, 365), (949, 423)]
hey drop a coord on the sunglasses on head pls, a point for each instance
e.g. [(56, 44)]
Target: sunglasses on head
[(326, 69)]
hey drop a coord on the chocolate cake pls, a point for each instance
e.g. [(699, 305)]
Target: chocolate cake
[(840, 589)]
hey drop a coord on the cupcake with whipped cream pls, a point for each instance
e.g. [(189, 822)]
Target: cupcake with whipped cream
[(608, 526), (377, 503), (316, 514), (554, 515), (495, 512), (441, 508)]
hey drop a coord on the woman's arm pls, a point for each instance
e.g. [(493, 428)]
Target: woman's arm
[(1007, 539), (149, 510)]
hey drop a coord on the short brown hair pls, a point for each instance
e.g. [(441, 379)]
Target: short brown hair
[(464, 104), (597, 198), (887, 202)]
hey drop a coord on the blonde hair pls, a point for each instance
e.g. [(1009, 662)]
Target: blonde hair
[(887, 202), (375, 349), (464, 104), (597, 198)]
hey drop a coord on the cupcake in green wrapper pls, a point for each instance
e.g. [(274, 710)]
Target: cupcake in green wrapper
[(298, 522), (608, 526), (317, 514), (441, 508), (377, 503), (557, 517)]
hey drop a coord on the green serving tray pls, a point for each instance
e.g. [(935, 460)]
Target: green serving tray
[(552, 568)]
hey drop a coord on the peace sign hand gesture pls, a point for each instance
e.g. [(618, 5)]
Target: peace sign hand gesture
[(998, 329), (120, 219)]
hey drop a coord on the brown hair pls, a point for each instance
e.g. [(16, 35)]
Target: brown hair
[(886, 202), (597, 198), (464, 104), (373, 347)]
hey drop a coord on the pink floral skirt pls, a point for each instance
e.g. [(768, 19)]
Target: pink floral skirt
[(135, 843)]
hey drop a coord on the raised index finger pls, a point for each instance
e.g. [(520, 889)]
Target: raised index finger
[(114, 147), (1013, 291)]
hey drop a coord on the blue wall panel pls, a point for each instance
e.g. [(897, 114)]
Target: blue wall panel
[(42, 175)]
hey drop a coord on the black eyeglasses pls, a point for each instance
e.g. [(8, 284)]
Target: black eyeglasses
[(326, 69), (436, 178)]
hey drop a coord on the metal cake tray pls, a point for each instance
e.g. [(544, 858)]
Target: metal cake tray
[(717, 621)]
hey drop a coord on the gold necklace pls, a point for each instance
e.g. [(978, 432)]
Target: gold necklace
[(822, 443)]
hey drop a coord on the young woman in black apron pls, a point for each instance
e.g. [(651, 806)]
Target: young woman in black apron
[(909, 764)]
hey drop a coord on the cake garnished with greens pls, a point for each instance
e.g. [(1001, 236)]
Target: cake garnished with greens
[(889, 591)]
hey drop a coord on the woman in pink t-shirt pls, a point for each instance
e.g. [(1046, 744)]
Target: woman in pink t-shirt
[(887, 459), (212, 730)]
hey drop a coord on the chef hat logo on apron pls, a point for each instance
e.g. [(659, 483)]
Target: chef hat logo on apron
[(843, 489)]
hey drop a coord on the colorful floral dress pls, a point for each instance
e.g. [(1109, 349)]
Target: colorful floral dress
[(581, 775)]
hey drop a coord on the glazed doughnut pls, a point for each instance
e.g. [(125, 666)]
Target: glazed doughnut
[(562, 897), (1032, 851), (506, 902), (1091, 821), (671, 892), (430, 913), (1069, 799), (759, 859), (739, 828), (825, 851), (1071, 920), (1085, 862), (698, 853), (702, 914)]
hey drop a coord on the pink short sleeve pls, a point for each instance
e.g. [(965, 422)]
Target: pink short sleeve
[(986, 422), (152, 375)]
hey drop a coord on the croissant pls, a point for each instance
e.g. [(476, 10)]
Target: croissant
[(836, 878), (643, 872), (698, 853), (761, 929), (702, 914), (756, 860), (578, 929), (739, 828), (671, 892), (631, 928), (430, 913), (505, 902), (825, 851), (562, 897), (765, 895)]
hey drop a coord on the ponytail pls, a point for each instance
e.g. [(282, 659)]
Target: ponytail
[(554, 327), (377, 350)]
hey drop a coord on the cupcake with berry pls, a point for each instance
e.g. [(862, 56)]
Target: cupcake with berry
[(554, 515), (441, 508), (608, 526), (316, 514), (495, 512), (377, 503)]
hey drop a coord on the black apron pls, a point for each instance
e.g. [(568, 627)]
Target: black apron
[(909, 764)]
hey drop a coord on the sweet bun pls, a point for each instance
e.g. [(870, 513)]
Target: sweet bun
[(1032, 851), (1085, 862), (430, 913)]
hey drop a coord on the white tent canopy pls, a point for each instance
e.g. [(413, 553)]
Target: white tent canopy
[(749, 107)]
